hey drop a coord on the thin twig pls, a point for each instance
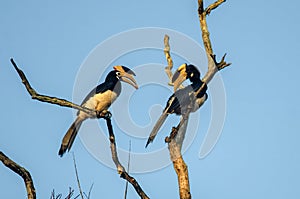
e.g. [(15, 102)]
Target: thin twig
[(77, 177), (90, 191), (128, 167), (59, 196), (21, 171), (121, 170), (71, 192), (54, 196), (213, 6)]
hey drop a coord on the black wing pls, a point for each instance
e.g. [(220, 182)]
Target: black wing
[(182, 98), (101, 88), (179, 101)]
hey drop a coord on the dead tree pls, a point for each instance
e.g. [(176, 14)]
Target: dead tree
[(175, 142)]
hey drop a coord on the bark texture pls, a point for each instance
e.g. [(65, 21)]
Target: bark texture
[(21, 171), (176, 138)]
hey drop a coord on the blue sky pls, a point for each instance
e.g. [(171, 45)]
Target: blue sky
[(257, 153)]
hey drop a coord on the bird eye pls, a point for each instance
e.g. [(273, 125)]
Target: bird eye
[(118, 73)]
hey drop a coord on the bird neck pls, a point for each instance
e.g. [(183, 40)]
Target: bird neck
[(196, 82), (113, 82), (111, 77)]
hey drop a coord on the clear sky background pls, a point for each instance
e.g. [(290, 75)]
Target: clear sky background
[(257, 155)]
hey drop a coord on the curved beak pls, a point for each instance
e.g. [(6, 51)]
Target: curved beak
[(126, 75), (128, 78), (179, 77)]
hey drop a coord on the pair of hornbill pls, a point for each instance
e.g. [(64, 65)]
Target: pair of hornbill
[(182, 102)]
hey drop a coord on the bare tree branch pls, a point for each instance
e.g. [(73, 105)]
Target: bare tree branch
[(52, 100), (213, 6), (179, 165), (174, 145), (181, 170), (121, 170), (21, 171), (213, 65), (168, 69)]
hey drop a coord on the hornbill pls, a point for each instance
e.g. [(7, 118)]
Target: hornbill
[(99, 99), (185, 100)]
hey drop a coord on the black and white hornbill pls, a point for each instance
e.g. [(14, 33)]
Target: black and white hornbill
[(100, 99), (185, 100)]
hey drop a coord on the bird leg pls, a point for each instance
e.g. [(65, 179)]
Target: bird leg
[(172, 134), (104, 114), (175, 129)]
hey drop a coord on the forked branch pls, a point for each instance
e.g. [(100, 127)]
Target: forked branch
[(213, 6), (176, 138), (213, 65)]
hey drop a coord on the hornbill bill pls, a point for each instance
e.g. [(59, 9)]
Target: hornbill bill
[(185, 100), (99, 99)]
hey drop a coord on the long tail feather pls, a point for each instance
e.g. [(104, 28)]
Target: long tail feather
[(69, 137), (156, 128)]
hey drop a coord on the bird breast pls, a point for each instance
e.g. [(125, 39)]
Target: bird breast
[(99, 102)]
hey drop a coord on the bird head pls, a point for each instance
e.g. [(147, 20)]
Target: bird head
[(184, 72), (126, 75)]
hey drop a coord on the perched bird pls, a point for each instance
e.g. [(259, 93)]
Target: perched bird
[(100, 99), (183, 101)]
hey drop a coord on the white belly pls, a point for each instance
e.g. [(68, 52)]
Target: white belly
[(99, 102)]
